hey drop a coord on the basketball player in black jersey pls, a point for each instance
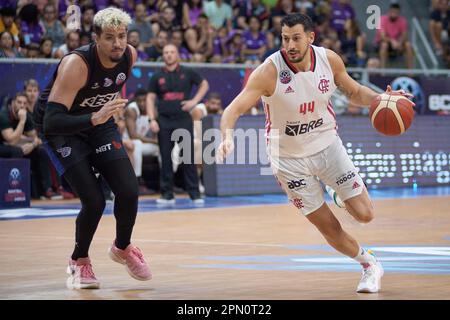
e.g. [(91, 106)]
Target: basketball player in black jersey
[(75, 118)]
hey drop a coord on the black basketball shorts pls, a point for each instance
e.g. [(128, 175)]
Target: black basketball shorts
[(99, 144)]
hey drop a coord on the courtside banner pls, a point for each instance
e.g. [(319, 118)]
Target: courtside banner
[(431, 94), (14, 183)]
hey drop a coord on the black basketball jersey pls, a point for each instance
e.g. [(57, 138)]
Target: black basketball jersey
[(102, 85)]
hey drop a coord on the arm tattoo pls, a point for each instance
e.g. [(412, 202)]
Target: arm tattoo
[(347, 93)]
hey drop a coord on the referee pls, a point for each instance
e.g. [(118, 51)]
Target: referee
[(172, 87)]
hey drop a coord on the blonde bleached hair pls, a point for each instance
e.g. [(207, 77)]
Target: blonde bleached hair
[(110, 18)]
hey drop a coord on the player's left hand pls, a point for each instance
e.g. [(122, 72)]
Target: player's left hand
[(398, 92), (188, 105)]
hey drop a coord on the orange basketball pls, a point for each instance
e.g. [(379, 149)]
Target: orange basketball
[(391, 115)]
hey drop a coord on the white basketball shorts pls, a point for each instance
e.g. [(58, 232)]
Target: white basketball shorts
[(300, 177)]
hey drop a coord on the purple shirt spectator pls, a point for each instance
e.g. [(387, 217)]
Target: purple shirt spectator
[(62, 8), (194, 14), (8, 3), (142, 56), (254, 43), (340, 12), (31, 32), (185, 55)]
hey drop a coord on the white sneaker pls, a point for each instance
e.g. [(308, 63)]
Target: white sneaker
[(198, 201), (163, 201), (337, 201), (371, 279)]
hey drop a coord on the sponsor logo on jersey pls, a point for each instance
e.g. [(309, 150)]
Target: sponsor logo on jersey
[(121, 77), (285, 76), (296, 184), (324, 85), (306, 107), (298, 129), (103, 148), (64, 151), (95, 86), (107, 82), (99, 100), (289, 90), (117, 145), (297, 202), (355, 185), (346, 177)]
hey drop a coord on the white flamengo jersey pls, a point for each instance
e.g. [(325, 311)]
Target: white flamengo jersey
[(300, 120)]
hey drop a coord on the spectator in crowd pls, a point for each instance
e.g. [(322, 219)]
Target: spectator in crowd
[(252, 8), (72, 42), (192, 9), (255, 42), (392, 37), (326, 36), (168, 21), (306, 7), (177, 39), (439, 24), (32, 51), (273, 37), (17, 130), (341, 11), (154, 52), (283, 7), (199, 39), (135, 41), (54, 29), (11, 133), (138, 130), (172, 87), (7, 48), (31, 89), (46, 48), (212, 105), (87, 23), (373, 63), (234, 48), (7, 23), (125, 5), (219, 13), (352, 43), (220, 45), (143, 25), (31, 28)]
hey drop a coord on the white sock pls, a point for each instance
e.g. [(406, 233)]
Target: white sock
[(365, 258)]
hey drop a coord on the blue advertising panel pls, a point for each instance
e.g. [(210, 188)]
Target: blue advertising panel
[(14, 183)]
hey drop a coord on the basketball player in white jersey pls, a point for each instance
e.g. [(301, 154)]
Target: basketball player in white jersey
[(296, 84)]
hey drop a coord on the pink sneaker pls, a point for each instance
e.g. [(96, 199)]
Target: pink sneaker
[(81, 275), (133, 259)]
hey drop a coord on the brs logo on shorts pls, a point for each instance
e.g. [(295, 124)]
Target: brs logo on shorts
[(346, 177), (99, 100), (294, 184), (295, 130)]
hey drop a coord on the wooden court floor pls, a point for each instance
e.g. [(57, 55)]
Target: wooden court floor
[(192, 254)]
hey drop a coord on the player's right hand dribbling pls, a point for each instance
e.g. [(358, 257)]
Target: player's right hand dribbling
[(225, 148), (108, 110)]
